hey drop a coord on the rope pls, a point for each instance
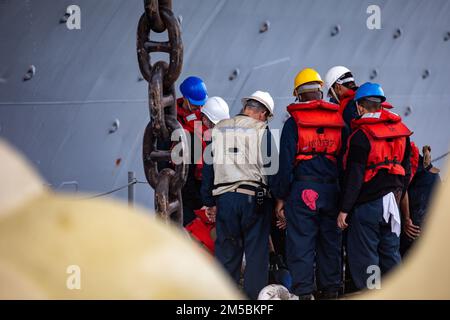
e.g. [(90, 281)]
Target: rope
[(142, 182), (441, 157), (135, 181)]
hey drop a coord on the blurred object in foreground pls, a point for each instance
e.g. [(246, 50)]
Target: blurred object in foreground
[(425, 274), (58, 247)]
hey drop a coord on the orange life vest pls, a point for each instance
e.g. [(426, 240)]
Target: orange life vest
[(319, 126), (202, 230), (187, 119), (387, 137), (345, 99)]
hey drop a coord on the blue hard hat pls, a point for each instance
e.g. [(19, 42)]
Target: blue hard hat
[(194, 89), (370, 89)]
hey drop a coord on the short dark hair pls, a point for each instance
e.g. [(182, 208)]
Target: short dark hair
[(311, 95), (370, 105), (256, 105)]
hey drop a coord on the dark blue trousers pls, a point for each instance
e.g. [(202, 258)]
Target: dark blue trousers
[(313, 240), (370, 242), (241, 230), (420, 193)]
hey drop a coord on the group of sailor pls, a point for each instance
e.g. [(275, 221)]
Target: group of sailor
[(341, 198)]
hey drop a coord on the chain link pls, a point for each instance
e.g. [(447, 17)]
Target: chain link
[(161, 77)]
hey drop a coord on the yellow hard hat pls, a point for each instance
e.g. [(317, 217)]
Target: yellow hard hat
[(305, 76)]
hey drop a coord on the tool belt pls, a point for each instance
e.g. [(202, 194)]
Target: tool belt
[(261, 194), (316, 179), (247, 189), (251, 190)]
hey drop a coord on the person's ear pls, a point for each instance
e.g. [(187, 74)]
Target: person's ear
[(262, 116), (338, 90), (360, 109), (297, 98)]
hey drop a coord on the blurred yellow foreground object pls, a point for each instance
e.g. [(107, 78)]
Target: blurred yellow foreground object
[(58, 247), (425, 273)]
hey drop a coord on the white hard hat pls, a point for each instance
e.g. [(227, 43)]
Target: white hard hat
[(216, 109), (333, 75), (264, 97), (276, 292)]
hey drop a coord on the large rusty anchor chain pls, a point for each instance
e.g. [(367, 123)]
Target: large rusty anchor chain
[(161, 77)]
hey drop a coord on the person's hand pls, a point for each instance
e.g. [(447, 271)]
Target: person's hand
[(341, 220), (426, 151), (281, 219), (410, 229), (211, 213), (279, 212)]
